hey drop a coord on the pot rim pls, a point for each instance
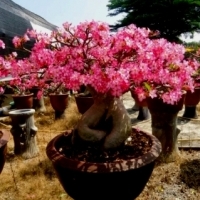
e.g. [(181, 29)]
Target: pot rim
[(117, 166), (20, 112), (22, 95), (54, 94), (80, 96)]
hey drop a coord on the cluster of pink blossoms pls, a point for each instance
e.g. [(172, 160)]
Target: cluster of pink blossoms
[(111, 63)]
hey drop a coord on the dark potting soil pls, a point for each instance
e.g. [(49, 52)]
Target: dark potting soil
[(136, 145)]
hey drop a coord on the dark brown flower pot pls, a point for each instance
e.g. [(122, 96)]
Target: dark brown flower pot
[(122, 179), (83, 103), (191, 101), (23, 101), (59, 103), (4, 137)]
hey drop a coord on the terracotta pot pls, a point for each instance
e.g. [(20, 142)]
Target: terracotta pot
[(123, 179), (191, 101), (192, 98), (83, 103), (59, 103), (4, 137), (23, 101)]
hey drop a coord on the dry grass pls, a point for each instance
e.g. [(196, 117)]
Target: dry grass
[(172, 181), (35, 178)]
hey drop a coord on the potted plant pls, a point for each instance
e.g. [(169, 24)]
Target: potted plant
[(23, 101), (8, 69), (59, 96), (19, 70), (193, 97), (163, 79), (101, 149), (22, 97), (109, 64), (41, 74), (90, 55), (84, 99), (30, 73)]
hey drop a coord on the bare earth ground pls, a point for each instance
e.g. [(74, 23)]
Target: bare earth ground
[(35, 178)]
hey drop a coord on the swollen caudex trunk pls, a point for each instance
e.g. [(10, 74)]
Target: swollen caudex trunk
[(107, 120), (164, 127)]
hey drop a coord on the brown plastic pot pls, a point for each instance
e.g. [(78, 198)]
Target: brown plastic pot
[(191, 101), (83, 103), (123, 179), (23, 101), (59, 103)]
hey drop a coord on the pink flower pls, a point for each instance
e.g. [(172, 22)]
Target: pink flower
[(111, 63), (2, 45), (1, 90)]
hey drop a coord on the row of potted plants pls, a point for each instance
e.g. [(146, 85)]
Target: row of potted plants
[(104, 149)]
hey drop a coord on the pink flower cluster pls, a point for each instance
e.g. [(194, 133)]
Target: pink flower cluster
[(163, 72), (111, 63)]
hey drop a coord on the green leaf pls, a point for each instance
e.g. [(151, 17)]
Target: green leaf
[(147, 86)]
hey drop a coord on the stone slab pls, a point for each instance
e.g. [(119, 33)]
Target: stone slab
[(189, 137)]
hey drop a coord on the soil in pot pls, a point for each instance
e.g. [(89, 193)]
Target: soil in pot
[(87, 172)]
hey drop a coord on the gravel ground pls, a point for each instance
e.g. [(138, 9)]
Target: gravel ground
[(179, 180)]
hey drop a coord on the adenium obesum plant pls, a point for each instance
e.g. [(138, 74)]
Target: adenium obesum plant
[(5, 66), (21, 82), (34, 70), (90, 54), (163, 72), (24, 75), (193, 56), (109, 64)]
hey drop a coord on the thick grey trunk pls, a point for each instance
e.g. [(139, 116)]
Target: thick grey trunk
[(107, 120), (164, 127)]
